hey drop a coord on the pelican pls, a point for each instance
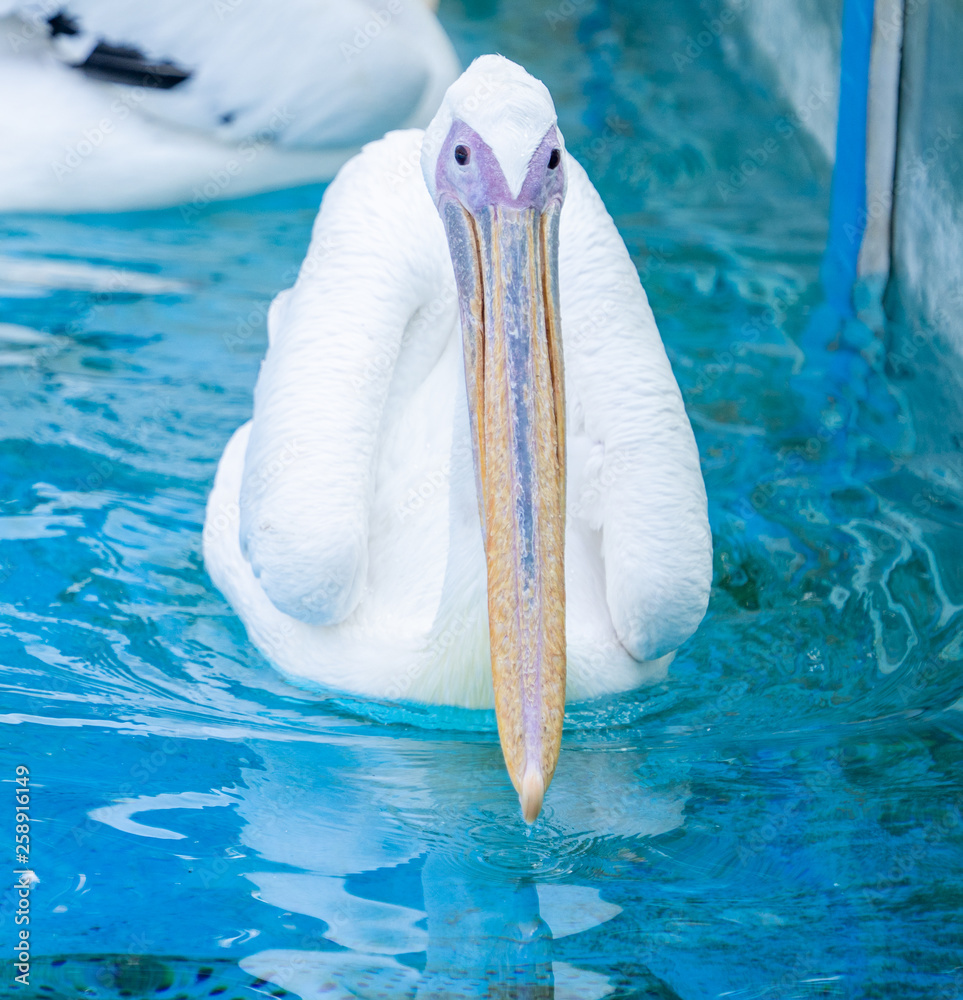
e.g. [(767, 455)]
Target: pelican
[(469, 478), (110, 105)]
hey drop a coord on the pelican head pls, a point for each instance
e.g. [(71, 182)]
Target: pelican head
[(493, 160)]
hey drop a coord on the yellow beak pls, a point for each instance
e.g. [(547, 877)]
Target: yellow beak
[(506, 266)]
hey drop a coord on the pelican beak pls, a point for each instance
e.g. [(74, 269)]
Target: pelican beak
[(506, 268)]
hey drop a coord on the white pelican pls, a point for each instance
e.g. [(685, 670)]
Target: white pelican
[(344, 522), (109, 105)]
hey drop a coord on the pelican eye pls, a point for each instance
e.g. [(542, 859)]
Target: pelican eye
[(553, 159), (462, 155)]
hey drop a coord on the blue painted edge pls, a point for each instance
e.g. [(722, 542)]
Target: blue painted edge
[(847, 213), (836, 371)]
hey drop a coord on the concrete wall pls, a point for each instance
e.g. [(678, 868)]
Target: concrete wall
[(925, 295), (800, 42), (913, 245), (927, 273)]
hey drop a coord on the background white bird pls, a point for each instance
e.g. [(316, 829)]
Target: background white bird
[(107, 105), (344, 521)]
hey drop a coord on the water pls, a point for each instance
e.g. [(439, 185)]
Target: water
[(780, 819)]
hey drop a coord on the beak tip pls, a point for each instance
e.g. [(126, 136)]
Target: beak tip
[(532, 794)]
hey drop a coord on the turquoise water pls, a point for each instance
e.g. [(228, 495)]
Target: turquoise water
[(780, 819)]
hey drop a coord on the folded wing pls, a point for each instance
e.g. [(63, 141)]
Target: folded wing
[(308, 481), (649, 498)]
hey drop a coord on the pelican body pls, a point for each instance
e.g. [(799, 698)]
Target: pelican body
[(109, 105), (469, 478)]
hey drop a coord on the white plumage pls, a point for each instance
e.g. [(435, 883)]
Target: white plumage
[(343, 525), (279, 92)]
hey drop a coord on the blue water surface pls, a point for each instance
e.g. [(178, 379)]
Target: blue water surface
[(780, 818)]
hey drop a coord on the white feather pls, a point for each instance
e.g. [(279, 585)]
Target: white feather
[(280, 92), (343, 526)]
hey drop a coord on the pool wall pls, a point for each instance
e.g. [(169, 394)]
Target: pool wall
[(926, 286), (910, 243), (800, 41)]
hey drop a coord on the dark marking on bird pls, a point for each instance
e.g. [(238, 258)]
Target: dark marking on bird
[(62, 24), (124, 64)]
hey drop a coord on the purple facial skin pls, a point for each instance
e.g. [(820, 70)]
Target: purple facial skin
[(480, 183)]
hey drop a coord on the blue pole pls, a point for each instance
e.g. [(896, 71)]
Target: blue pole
[(847, 215), (836, 373)]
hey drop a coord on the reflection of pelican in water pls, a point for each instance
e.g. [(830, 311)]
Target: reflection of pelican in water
[(477, 269), (414, 903), (476, 920)]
